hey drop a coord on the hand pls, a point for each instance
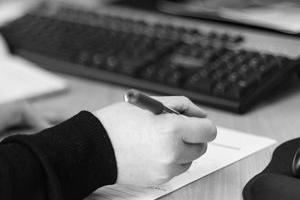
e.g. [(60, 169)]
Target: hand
[(22, 114), (151, 149)]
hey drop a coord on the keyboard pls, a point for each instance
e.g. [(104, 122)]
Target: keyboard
[(210, 67)]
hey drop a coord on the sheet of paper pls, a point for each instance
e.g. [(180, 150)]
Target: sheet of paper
[(283, 16), (20, 79), (229, 147), (10, 10)]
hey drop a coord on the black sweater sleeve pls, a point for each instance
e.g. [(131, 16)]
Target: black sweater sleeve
[(68, 161)]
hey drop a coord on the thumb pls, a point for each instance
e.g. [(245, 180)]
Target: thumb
[(183, 105)]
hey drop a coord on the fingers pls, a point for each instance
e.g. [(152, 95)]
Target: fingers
[(21, 114), (55, 118), (197, 130), (3, 47), (11, 115), (191, 152), (182, 105), (188, 153), (179, 169), (182, 163), (30, 117)]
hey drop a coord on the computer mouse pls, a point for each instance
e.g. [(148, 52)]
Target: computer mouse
[(296, 164), (281, 177)]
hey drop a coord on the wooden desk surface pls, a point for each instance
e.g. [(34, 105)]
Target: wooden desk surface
[(277, 117)]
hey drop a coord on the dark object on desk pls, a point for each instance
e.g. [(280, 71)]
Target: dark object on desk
[(276, 181), (208, 67), (296, 164)]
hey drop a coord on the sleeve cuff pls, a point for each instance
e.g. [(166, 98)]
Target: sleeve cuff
[(77, 156)]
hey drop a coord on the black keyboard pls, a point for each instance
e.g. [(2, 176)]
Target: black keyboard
[(209, 67)]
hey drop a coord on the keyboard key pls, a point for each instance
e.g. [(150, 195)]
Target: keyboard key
[(112, 63), (200, 82), (148, 72), (220, 89), (243, 88), (131, 67), (174, 78), (84, 58)]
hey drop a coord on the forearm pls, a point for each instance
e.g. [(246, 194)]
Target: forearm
[(21, 174), (73, 159)]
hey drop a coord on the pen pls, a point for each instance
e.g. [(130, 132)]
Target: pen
[(143, 101)]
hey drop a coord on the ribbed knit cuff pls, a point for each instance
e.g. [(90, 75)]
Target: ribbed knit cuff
[(77, 156)]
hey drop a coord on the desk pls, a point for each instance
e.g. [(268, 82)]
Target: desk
[(277, 118)]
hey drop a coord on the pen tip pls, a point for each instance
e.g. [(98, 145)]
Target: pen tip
[(131, 95)]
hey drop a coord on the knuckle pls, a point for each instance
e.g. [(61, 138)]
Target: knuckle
[(185, 99), (211, 130), (203, 149)]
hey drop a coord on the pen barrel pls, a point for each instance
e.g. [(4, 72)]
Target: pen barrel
[(144, 102)]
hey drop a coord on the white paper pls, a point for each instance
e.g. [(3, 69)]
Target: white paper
[(283, 16), (229, 147), (11, 10), (20, 79)]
